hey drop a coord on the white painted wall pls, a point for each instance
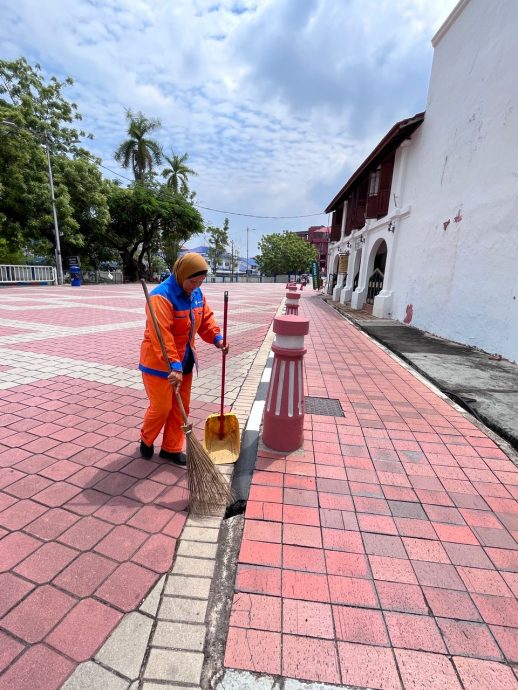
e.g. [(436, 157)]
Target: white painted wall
[(463, 281)]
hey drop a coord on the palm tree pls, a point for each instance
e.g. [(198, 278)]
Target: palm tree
[(178, 174), (138, 151)]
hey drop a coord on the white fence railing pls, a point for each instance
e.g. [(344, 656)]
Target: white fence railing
[(11, 274)]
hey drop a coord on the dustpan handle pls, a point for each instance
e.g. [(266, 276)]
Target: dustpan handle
[(162, 346), (223, 365)]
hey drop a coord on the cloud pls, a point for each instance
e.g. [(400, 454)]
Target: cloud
[(276, 101)]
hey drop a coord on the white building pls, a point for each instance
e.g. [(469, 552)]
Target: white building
[(441, 252)]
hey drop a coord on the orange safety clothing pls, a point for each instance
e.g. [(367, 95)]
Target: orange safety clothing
[(163, 411)]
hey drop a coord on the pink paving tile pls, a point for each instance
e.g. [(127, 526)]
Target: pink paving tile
[(268, 478), (399, 493), (9, 650), (258, 580), (38, 613), (260, 553), (451, 604), (360, 625), (305, 586), (395, 596), (309, 618), (352, 591), (127, 586), (272, 494), (14, 548), (86, 533), (384, 545), (368, 666), (120, 509), (480, 518), (301, 515), (425, 550), (310, 659), (175, 526), (392, 569), (342, 540), (507, 638), (84, 629), (28, 486), (256, 530), (468, 639), (12, 590), (121, 543), (347, 564), (302, 535), (151, 518), (512, 582), (484, 581), (335, 501), (258, 510), (57, 494), (437, 575), (45, 563), (414, 632), (87, 477), (292, 481), (381, 524), (332, 486), (84, 575), (460, 534), (426, 671), (253, 650), (465, 554), (39, 667), (6, 501), (476, 674), (303, 559), (497, 610), (498, 538), (20, 514), (115, 484), (157, 553), (300, 497), (408, 527), (504, 559), (256, 611), (60, 470)]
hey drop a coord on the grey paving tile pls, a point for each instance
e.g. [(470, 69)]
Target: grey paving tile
[(90, 675), (196, 548), (150, 603), (193, 566), (184, 667), (179, 636), (187, 586), (187, 610), (125, 648)]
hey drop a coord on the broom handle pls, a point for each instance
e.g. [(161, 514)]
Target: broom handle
[(223, 366), (162, 346)]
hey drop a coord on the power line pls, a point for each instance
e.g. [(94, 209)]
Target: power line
[(251, 215)]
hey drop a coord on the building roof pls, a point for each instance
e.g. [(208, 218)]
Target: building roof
[(399, 132)]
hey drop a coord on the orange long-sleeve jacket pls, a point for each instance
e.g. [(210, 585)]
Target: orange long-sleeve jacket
[(180, 317)]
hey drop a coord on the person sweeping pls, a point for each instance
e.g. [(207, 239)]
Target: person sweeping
[(182, 312)]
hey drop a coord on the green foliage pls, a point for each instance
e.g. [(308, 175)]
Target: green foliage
[(284, 253), (218, 243), (139, 152), (178, 174)]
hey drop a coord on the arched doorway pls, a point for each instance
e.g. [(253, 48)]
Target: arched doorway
[(333, 277), (375, 282)]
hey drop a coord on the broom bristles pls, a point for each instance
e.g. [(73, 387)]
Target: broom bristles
[(208, 489)]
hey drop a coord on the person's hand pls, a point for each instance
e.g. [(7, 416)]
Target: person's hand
[(175, 378), (219, 345)]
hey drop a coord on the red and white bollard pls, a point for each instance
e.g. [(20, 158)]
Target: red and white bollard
[(291, 286), (292, 303), (283, 426)]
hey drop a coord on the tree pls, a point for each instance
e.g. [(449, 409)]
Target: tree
[(218, 242), (178, 174), (284, 253), (139, 152), (142, 218)]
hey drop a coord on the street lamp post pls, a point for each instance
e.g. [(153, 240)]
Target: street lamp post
[(247, 253), (59, 263)]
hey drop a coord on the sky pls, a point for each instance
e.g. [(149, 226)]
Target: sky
[(277, 102)]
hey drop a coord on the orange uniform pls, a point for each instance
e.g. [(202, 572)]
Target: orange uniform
[(181, 317)]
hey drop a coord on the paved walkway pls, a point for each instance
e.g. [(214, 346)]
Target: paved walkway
[(383, 555), (88, 528)]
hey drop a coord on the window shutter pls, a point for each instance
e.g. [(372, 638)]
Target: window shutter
[(361, 203), (387, 170)]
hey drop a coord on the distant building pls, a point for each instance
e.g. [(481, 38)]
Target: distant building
[(224, 268), (318, 236)]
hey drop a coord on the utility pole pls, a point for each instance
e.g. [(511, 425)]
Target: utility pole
[(247, 253), (59, 263), (232, 261)]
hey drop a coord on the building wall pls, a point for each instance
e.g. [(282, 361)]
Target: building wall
[(456, 258)]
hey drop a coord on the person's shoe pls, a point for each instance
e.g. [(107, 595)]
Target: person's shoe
[(177, 458), (146, 451)]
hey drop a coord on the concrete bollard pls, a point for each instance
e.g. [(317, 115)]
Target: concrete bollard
[(292, 303), (283, 426)]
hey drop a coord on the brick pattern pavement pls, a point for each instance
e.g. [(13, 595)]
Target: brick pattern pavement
[(87, 528), (385, 555)]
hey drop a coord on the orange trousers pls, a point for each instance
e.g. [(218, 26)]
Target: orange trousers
[(163, 411)]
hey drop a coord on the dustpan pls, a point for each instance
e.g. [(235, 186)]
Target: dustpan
[(222, 437)]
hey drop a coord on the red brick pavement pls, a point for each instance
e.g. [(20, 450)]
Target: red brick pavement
[(86, 526), (385, 555)]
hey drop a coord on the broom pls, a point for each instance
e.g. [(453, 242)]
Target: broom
[(208, 489)]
